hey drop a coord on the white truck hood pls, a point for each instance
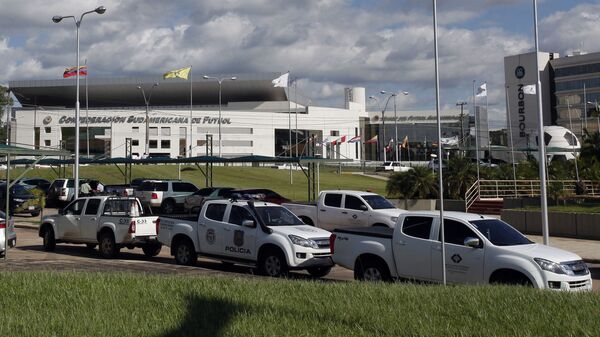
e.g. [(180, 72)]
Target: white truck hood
[(389, 211), (304, 231), (544, 252)]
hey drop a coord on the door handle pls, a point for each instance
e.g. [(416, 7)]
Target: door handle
[(344, 212), (201, 224), (77, 218), (400, 243), (323, 210), (93, 219)]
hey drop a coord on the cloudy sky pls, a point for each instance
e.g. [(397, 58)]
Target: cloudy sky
[(326, 44)]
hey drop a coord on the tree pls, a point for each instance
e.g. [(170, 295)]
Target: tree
[(591, 146), (460, 175), (420, 182)]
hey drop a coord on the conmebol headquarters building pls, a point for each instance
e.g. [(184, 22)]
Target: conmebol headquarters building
[(255, 118)]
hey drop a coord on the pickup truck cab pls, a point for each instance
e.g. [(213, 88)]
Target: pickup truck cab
[(254, 233), (479, 250), (111, 222), (336, 209)]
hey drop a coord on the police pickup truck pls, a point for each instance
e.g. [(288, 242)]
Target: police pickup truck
[(253, 233), (111, 222), (479, 250)]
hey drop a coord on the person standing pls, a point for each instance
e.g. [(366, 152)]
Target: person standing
[(85, 189)]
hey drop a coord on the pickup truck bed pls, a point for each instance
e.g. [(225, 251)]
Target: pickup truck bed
[(376, 232)]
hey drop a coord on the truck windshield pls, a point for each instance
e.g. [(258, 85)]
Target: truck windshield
[(278, 216), (377, 202), (500, 233)]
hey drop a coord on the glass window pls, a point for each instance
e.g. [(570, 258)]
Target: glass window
[(417, 226), (205, 192), (165, 144), (154, 131), (333, 200), (238, 215), (135, 129), (48, 129), (135, 142), (378, 202), (184, 187), (182, 132), (165, 131), (278, 216), (153, 186), (456, 232), (47, 142), (92, 207), (153, 144), (353, 202), (500, 233), (75, 207), (215, 211), (121, 207)]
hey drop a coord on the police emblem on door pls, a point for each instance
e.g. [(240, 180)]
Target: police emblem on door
[(210, 236), (238, 238)]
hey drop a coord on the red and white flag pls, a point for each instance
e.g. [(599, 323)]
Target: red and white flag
[(372, 140), (355, 139), (72, 71)]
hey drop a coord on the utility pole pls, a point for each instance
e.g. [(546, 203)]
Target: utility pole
[(462, 128)]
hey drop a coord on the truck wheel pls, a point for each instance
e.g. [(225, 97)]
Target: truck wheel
[(108, 247), (151, 250), (185, 253), (49, 239), (90, 246), (273, 264), (168, 206), (319, 271), (372, 270)]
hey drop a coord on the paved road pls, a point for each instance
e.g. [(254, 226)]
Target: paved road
[(29, 255)]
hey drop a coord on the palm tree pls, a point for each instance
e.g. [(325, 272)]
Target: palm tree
[(591, 146), (460, 175), (420, 182)]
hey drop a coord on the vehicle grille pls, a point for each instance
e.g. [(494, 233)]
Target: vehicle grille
[(578, 267), (579, 284), (321, 254), (322, 242)]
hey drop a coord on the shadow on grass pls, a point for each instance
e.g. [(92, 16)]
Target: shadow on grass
[(206, 317)]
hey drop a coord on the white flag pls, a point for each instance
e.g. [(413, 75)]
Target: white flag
[(529, 89), (281, 81), (482, 90)]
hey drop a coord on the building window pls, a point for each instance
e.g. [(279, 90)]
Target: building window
[(47, 130), (153, 144), (165, 144), (165, 131), (200, 142), (183, 132), (135, 142), (135, 129), (153, 131), (47, 143)]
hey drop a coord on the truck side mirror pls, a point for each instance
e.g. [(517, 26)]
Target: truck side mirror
[(248, 223), (363, 207), (472, 242)]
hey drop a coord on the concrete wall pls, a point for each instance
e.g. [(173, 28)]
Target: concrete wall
[(576, 225), (429, 204)]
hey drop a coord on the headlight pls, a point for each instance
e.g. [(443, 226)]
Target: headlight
[(303, 242), (553, 267), (394, 219)]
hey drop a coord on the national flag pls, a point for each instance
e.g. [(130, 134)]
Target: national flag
[(355, 139), (342, 140), (482, 90), (405, 142), (281, 81), (372, 140), (334, 142), (178, 73), (72, 71), (529, 89)]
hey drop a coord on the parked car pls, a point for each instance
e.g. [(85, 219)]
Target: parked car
[(392, 166), (123, 190), (169, 195), (192, 203), (347, 208), (22, 199), (111, 222), (262, 194), (4, 230), (62, 190), (260, 234), (40, 183), (434, 164), (479, 250)]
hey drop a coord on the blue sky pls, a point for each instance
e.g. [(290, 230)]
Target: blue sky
[(327, 44)]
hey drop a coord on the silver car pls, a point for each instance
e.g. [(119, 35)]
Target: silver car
[(12, 235)]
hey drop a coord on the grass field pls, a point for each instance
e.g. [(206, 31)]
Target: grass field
[(235, 176), (582, 208), (77, 304)]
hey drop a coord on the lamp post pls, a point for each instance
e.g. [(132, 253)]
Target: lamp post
[(57, 19), (462, 125), (405, 93), (147, 102), (383, 122), (220, 81), (383, 119)]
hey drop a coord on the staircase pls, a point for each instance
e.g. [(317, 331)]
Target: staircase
[(487, 206)]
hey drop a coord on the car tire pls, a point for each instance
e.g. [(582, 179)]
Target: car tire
[(318, 271), (372, 270), (108, 247), (152, 249), (90, 246), (272, 263), (49, 239), (168, 206), (185, 253)]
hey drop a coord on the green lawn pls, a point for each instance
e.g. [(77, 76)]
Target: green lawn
[(78, 304), (582, 208), (235, 176)]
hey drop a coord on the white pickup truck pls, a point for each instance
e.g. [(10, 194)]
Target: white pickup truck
[(479, 250), (253, 233), (111, 222), (335, 209)]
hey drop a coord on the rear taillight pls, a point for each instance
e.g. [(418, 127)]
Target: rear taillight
[(332, 243), (131, 227), (154, 196), (157, 225), (2, 224)]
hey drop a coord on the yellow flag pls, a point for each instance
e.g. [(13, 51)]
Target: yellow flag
[(181, 73)]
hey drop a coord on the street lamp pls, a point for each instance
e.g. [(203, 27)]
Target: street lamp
[(405, 93), (220, 81), (383, 125), (383, 119), (57, 19), (147, 101)]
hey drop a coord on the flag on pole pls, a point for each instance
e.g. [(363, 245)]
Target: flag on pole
[(178, 73), (72, 71), (334, 142), (405, 142), (281, 81), (482, 90), (390, 145), (342, 139), (355, 139), (529, 89), (372, 140)]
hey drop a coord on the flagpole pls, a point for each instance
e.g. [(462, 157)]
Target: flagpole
[(191, 109), (541, 144), (439, 132), (476, 130), (487, 121), (289, 126), (87, 117), (296, 112), (512, 144)]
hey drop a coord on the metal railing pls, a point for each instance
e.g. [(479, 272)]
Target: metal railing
[(500, 189)]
